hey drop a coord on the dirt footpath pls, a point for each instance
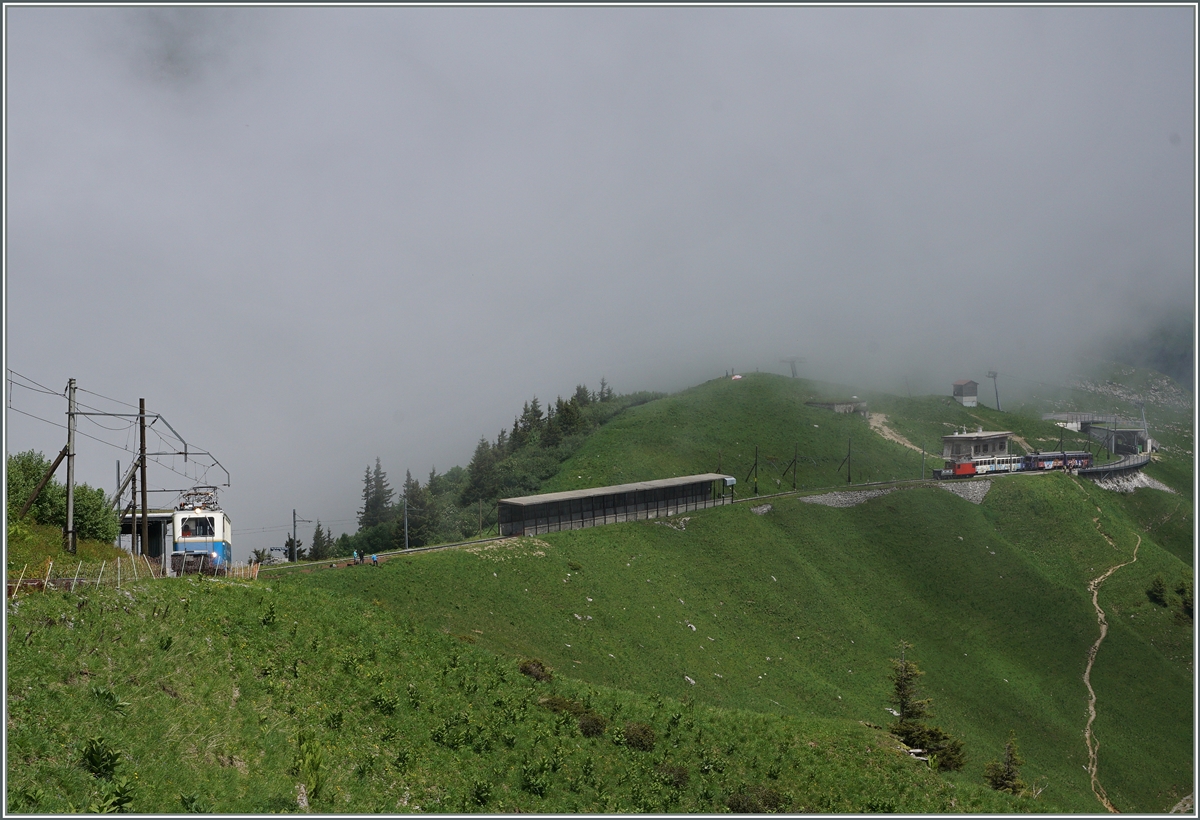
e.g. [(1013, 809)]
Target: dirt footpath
[(878, 422)]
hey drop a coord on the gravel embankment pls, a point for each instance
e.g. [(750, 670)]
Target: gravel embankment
[(846, 499), (973, 491), (1132, 481)]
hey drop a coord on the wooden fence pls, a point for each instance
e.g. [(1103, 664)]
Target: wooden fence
[(60, 575)]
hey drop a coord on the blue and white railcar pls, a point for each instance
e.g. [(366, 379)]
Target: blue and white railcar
[(202, 529)]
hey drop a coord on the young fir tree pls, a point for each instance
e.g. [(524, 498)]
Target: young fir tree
[(294, 549), (1006, 776), (321, 545), (944, 752), (419, 512)]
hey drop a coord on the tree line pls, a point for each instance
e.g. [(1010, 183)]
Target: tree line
[(94, 517), (461, 502)]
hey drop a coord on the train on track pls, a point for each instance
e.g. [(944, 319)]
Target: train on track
[(203, 533), (1030, 462)]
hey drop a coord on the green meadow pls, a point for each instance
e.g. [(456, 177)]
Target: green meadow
[(729, 659)]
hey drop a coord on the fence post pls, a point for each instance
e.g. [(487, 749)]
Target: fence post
[(46, 583), (118, 573), (101, 575), (75, 581), (19, 580), (148, 565), (133, 566)]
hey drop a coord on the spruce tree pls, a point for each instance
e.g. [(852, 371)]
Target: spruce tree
[(1006, 776), (481, 481), (319, 549), (368, 493), (419, 509), (382, 492), (944, 751)]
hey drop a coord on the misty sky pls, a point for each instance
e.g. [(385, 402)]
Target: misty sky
[(313, 236)]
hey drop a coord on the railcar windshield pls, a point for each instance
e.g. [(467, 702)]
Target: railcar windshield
[(197, 527)]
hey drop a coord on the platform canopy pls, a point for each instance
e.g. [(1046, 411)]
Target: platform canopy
[(570, 495)]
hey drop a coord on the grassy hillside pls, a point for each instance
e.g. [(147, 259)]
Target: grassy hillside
[(718, 425), (796, 612), (200, 695), (756, 646)]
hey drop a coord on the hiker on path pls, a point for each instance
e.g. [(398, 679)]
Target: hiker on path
[(356, 556), (374, 560)]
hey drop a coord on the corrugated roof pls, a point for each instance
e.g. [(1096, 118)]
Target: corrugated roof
[(980, 434), (966, 381), (544, 498)]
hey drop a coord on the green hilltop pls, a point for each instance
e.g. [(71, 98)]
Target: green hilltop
[(754, 643)]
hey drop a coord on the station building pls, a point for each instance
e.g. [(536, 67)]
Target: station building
[(981, 443), (575, 509)]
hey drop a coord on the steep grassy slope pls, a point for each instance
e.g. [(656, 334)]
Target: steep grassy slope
[(756, 646), (719, 424), (797, 612), (199, 695)]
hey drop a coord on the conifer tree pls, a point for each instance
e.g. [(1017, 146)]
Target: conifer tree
[(382, 491), (480, 474), (321, 544), (944, 751), (377, 497), (368, 493), (419, 512), (1006, 776)]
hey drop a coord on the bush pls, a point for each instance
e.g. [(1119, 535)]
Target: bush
[(673, 776), (754, 800), (592, 724), (94, 518), (1157, 592), (639, 736), (536, 670)]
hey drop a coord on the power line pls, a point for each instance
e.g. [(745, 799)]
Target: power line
[(107, 398), (162, 464), (31, 381)]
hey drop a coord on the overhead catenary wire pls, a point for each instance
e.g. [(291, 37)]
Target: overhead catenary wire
[(162, 464)]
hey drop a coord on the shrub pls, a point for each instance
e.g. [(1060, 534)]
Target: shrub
[(639, 736), (536, 670), (673, 776), (557, 703), (1157, 592), (754, 800), (592, 724), (1186, 596)]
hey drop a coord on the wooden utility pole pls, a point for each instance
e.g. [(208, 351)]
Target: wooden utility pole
[(69, 539), (145, 505)]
